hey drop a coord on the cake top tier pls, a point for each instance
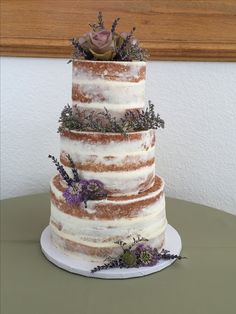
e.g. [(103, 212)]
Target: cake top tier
[(117, 86), (105, 43)]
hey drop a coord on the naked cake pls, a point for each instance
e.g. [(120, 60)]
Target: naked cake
[(106, 193)]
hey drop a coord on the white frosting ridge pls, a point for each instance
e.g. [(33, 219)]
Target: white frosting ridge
[(98, 232), (117, 186), (117, 159), (109, 201), (110, 93), (84, 79), (125, 165), (120, 182), (90, 240), (108, 105), (111, 147), (118, 86), (150, 222)]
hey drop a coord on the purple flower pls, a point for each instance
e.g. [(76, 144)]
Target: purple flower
[(83, 191), (146, 255), (75, 194), (95, 189), (95, 186), (82, 185)]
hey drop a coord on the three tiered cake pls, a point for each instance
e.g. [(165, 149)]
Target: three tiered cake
[(106, 202), (125, 163)]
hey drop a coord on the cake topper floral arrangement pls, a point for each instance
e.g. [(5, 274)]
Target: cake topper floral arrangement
[(106, 44), (79, 190)]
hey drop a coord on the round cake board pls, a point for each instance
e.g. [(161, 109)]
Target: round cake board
[(82, 267)]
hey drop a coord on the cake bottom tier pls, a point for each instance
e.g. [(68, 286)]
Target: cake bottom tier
[(93, 231)]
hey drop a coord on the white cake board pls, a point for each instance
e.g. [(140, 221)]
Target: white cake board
[(79, 266)]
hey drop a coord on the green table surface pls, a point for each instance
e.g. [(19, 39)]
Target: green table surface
[(204, 283)]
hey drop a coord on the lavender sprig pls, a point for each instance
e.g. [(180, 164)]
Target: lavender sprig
[(114, 25), (112, 264), (93, 123), (164, 254), (100, 21), (125, 43), (134, 52), (74, 170), (80, 51), (100, 25), (70, 120), (113, 124), (61, 170)]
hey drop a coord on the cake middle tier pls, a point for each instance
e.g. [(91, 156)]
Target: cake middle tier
[(125, 163)]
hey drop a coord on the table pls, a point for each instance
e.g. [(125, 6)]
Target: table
[(204, 283)]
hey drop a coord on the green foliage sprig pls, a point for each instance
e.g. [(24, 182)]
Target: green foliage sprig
[(144, 120), (104, 122), (70, 121)]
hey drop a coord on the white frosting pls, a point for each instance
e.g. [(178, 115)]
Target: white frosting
[(111, 148), (108, 105), (119, 182), (101, 92), (94, 233), (114, 94), (117, 158), (85, 79), (92, 204), (135, 152), (150, 223)]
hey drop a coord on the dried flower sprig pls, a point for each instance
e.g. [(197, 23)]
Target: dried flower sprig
[(100, 21), (61, 170), (70, 121), (105, 122), (136, 255), (79, 190), (121, 52), (112, 124), (99, 26), (144, 120), (92, 121), (74, 170), (79, 52), (114, 25)]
